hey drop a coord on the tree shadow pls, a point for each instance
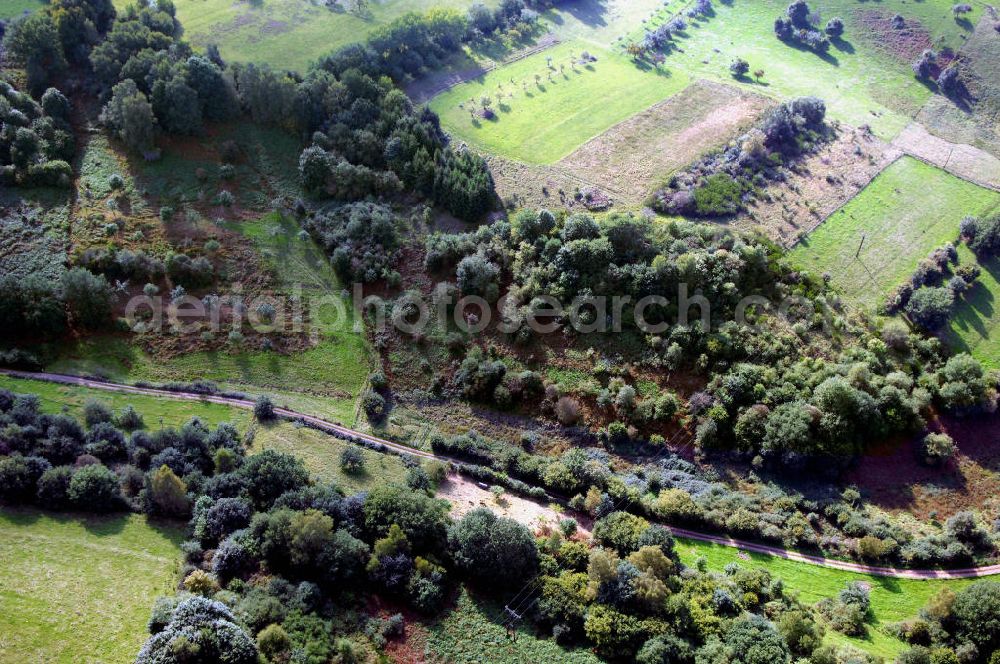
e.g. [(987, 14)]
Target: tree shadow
[(842, 45), (589, 12), (964, 23)]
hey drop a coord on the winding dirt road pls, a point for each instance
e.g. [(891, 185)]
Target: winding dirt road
[(340, 431)]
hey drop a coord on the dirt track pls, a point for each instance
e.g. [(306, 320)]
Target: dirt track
[(467, 493)]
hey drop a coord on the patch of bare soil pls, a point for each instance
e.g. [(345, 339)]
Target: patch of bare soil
[(893, 479), (819, 185), (905, 43), (466, 495), (634, 156)]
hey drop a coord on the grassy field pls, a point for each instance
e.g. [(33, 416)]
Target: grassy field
[(288, 34), (79, 588), (472, 633), (550, 118), (893, 600), (14, 8), (975, 326), (865, 78), (321, 454), (906, 212), (171, 412)]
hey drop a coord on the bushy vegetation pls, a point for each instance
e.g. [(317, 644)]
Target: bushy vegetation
[(36, 139), (721, 183), (796, 27), (955, 627)]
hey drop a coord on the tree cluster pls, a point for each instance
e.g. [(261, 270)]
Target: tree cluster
[(797, 28), (36, 139)]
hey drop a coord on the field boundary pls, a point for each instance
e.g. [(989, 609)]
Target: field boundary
[(345, 433)]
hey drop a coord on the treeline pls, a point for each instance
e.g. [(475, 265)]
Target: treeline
[(675, 491), (34, 307)]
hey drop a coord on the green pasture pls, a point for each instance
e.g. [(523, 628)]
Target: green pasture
[(556, 113), (155, 410), (975, 325), (79, 588), (321, 454), (289, 34), (863, 81), (14, 8), (906, 212)]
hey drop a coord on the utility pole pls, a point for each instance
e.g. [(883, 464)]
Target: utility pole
[(860, 246)]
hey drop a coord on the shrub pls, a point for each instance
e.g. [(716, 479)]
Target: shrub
[(718, 195), (374, 405), (936, 448), (94, 488), (96, 412), (567, 411), (930, 308), (263, 408), (352, 460)]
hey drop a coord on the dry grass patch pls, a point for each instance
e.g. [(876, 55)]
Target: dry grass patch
[(633, 157), (965, 161), (977, 121), (820, 185)]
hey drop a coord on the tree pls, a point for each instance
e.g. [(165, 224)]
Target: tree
[(130, 116), (494, 549), (422, 519), (200, 630), (53, 487), (739, 68), (930, 308), (33, 41), (835, 27), (270, 474), (798, 12), (176, 105), (752, 639), (263, 408), (352, 460), (620, 531), (975, 615), (168, 493), (88, 297)]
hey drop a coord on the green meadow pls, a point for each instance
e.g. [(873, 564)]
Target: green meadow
[(906, 212), (892, 600), (550, 116), (79, 588), (864, 78), (289, 34)]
